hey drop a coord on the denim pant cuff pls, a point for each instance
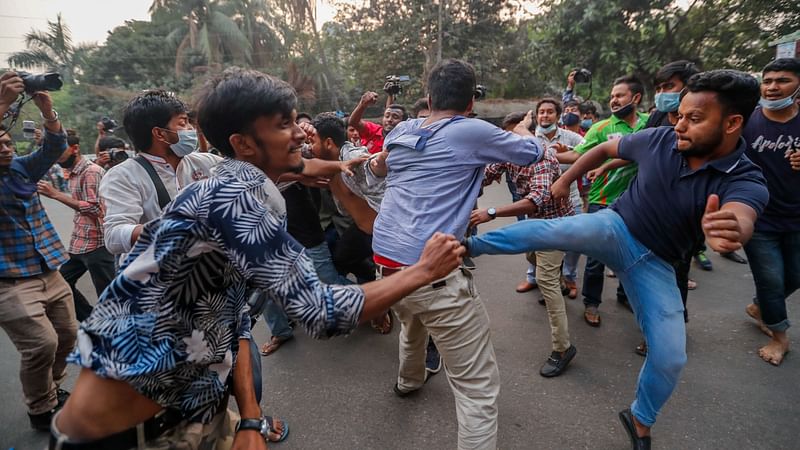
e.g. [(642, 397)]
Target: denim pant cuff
[(781, 326)]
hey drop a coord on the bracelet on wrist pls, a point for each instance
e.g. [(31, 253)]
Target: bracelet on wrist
[(46, 120)]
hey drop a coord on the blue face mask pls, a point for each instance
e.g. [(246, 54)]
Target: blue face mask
[(546, 130), (569, 119), (586, 124), (668, 101), (187, 143), (782, 103)]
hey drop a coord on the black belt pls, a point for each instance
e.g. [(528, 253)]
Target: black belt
[(386, 271), (152, 428)]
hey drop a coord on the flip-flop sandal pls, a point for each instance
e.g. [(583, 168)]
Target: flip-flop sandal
[(272, 429), (273, 345)]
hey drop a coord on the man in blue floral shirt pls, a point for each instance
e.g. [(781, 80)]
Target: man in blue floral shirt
[(167, 341)]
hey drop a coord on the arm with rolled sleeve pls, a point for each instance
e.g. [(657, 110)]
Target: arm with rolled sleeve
[(124, 209), (538, 184), (493, 172), (271, 259)]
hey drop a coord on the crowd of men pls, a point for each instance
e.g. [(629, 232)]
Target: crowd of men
[(239, 206)]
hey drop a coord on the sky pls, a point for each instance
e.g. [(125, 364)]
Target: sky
[(89, 20)]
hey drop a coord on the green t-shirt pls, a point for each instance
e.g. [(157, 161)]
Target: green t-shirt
[(605, 190)]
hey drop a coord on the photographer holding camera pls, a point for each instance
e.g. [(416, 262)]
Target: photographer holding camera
[(36, 308), (372, 134)]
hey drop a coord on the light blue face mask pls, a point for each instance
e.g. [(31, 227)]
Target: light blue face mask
[(546, 130), (775, 105), (187, 143), (668, 101), (586, 124)]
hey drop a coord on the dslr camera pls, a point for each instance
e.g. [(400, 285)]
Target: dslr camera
[(394, 84), (480, 92), (40, 82), (583, 75), (108, 124)]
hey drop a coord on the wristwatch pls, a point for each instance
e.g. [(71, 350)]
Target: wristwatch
[(492, 213), (259, 425)]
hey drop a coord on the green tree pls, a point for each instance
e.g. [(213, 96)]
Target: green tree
[(52, 49), (203, 28)]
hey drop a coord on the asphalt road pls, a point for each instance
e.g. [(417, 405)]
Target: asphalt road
[(337, 394)]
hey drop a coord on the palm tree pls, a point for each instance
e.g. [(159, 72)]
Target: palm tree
[(206, 29), (52, 49)]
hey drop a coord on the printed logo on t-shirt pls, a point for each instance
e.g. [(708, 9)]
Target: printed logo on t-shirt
[(786, 144), (614, 136)]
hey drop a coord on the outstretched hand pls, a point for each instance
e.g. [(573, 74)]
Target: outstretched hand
[(721, 227), (441, 255)]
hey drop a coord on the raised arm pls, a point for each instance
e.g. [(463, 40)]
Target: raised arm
[(368, 99), (590, 160)]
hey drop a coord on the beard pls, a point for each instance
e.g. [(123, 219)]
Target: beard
[(704, 147), (298, 169)]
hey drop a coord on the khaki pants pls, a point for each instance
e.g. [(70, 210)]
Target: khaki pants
[(459, 325), (37, 313), (548, 276)]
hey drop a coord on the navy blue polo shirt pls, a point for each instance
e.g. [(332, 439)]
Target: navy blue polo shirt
[(666, 200)]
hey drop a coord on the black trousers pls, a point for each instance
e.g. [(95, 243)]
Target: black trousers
[(100, 264), (353, 254)]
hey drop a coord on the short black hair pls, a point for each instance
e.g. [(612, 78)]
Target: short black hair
[(451, 85), (400, 107), (587, 107), (304, 115), (73, 139), (513, 119), (572, 103), (419, 105), (330, 126), (230, 102), (550, 100), (783, 64), (633, 82), (152, 108), (683, 69), (737, 91), (107, 142)]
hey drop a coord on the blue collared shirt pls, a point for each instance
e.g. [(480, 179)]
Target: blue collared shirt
[(30, 244), (666, 200), (435, 188)]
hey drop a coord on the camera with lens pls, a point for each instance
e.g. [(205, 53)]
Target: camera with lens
[(108, 124), (117, 155), (394, 84), (480, 92), (583, 75), (41, 82)]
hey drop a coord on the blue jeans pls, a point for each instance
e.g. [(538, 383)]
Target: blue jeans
[(512, 189), (775, 263), (276, 318), (652, 289), (594, 274)]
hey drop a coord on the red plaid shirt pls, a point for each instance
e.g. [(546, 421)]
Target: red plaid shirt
[(87, 233), (533, 183)]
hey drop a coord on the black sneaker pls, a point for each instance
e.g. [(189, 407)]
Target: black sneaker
[(735, 257), (401, 393), (433, 360), (702, 260), (556, 363), (62, 396), (41, 422)]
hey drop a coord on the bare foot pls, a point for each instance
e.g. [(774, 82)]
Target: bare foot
[(755, 312), (777, 348)]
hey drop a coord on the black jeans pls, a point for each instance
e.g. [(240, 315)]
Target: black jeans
[(100, 264), (353, 254), (594, 275)]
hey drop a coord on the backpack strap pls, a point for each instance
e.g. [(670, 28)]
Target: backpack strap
[(161, 190)]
